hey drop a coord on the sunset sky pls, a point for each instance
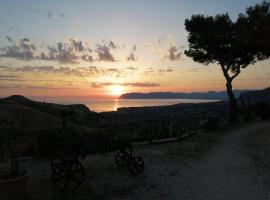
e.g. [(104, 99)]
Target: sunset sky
[(100, 49)]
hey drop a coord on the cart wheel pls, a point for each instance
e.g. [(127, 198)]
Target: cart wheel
[(136, 165), (56, 162), (122, 158), (67, 175)]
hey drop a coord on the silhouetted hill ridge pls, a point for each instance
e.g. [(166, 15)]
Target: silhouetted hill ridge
[(80, 112), (256, 96), (220, 95), (44, 106)]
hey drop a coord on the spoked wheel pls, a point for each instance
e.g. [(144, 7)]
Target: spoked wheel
[(122, 158), (136, 165), (67, 175)]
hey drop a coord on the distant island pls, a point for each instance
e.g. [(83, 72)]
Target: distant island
[(213, 95)]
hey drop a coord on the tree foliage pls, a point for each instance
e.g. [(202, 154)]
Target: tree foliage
[(232, 44)]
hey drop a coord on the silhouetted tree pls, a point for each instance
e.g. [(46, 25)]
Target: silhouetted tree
[(232, 44)]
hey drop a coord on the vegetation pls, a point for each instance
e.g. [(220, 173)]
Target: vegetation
[(7, 151), (233, 45)]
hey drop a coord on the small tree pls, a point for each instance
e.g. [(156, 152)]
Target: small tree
[(232, 45)]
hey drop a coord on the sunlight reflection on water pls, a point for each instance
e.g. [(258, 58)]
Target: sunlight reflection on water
[(103, 105)]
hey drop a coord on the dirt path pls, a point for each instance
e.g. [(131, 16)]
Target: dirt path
[(234, 168), (227, 172)]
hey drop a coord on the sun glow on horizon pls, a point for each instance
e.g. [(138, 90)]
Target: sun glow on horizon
[(43, 60), (116, 90)]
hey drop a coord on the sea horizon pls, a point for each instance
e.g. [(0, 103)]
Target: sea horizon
[(108, 105)]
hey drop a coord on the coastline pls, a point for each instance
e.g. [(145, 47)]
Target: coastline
[(120, 104)]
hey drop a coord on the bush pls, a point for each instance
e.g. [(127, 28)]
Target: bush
[(211, 124), (262, 110)]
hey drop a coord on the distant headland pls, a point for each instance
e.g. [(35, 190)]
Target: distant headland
[(221, 95)]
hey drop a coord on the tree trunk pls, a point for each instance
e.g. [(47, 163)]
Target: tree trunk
[(233, 102)]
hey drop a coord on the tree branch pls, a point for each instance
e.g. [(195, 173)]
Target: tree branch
[(225, 72), (236, 73), (227, 68)]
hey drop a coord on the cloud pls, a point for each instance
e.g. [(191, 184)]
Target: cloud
[(25, 40), (169, 70), (66, 55), (100, 85), (49, 87), (154, 72), (73, 51), (68, 52), (62, 15), (76, 45), (46, 87), (23, 49), (135, 84), (65, 52), (132, 68), (3, 67), (49, 14), (154, 46), (14, 28), (112, 45), (33, 10), (104, 53), (131, 57), (163, 71), (192, 70), (9, 86), (69, 71), (158, 42), (9, 38), (43, 56), (182, 47), (87, 47), (149, 71), (115, 72), (8, 76), (172, 53), (87, 57), (12, 80), (66, 81)]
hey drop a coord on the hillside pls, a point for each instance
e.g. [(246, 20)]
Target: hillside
[(50, 108), (80, 113), (24, 117), (253, 97), (28, 115)]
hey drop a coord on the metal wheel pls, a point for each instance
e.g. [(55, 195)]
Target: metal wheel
[(136, 165), (122, 158), (67, 175)]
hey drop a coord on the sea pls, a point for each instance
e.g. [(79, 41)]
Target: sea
[(106, 105)]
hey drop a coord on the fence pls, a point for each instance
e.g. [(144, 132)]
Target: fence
[(167, 127)]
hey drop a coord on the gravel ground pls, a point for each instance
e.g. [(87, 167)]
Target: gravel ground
[(231, 164)]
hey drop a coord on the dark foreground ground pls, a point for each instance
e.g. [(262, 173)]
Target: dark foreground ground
[(232, 163)]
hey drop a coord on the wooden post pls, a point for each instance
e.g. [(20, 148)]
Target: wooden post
[(181, 134)]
